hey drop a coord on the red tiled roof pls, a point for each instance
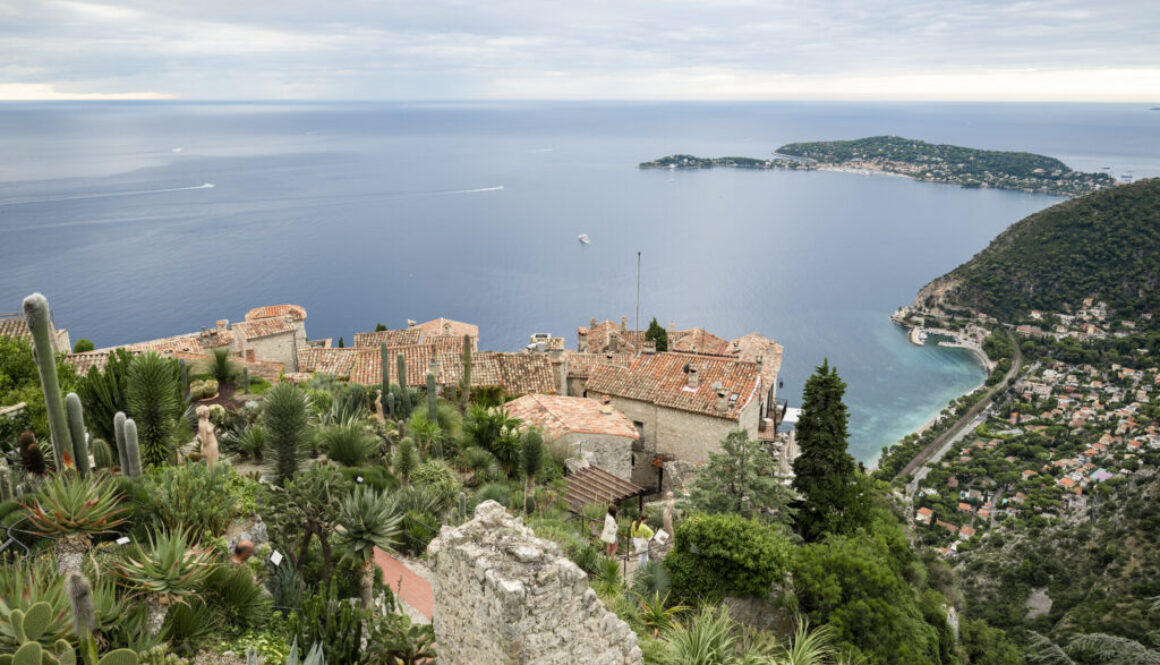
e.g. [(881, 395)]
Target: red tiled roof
[(698, 340), (516, 373), (260, 328), (448, 327), (391, 337), (194, 343), (333, 361), (558, 415), (276, 311), (662, 379), (580, 365), (15, 327)]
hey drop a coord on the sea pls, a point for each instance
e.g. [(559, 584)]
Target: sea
[(146, 219)]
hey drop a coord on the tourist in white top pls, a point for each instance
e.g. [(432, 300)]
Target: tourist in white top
[(609, 536)]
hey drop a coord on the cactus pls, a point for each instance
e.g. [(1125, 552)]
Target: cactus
[(28, 627), (432, 399), (30, 455), (245, 379), (131, 465), (36, 314), (384, 361), (465, 380), (119, 432), (76, 430), (6, 490), (461, 506), (405, 404), (102, 454), (184, 374), (81, 598), (391, 404)]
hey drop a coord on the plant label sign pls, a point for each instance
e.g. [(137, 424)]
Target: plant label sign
[(276, 558)]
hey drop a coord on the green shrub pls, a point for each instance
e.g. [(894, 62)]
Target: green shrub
[(498, 492), (437, 476), (194, 497), (347, 442), (374, 476), (726, 555)]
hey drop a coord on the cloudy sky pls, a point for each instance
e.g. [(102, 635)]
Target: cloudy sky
[(1073, 50)]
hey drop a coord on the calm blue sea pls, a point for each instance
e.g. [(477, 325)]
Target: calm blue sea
[(365, 213)]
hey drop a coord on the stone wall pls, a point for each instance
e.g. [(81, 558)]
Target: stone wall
[(275, 348), (609, 452), (505, 597)]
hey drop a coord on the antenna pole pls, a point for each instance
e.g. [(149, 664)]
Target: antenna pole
[(638, 297)]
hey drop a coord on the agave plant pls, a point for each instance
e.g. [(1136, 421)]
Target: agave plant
[(166, 572), (655, 614), (72, 509), (37, 581), (349, 442), (368, 520)]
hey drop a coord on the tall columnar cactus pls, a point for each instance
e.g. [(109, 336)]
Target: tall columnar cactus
[(384, 361), (391, 405), (36, 314), (119, 432), (131, 463), (405, 404), (432, 399), (245, 379), (84, 619), (6, 490), (465, 380), (76, 430)]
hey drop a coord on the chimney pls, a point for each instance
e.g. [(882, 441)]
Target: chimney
[(672, 327), (410, 323), (606, 407), (624, 323), (614, 342), (446, 328), (760, 358), (722, 397), (222, 324), (693, 380), (649, 347), (592, 323)]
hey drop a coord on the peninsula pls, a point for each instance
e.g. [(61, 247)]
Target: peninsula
[(930, 162), (691, 162)]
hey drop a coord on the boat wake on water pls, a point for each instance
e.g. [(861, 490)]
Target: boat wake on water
[(105, 195)]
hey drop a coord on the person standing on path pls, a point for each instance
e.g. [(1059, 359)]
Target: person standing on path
[(609, 536), (641, 535)]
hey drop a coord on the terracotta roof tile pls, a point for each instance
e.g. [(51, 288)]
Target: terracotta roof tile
[(698, 340), (580, 365), (558, 415), (662, 379), (276, 311), (391, 337), (448, 327), (260, 328), (15, 327), (595, 485), (336, 362), (517, 373)]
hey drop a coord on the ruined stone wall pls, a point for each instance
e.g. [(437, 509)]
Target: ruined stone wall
[(503, 596), (611, 453)]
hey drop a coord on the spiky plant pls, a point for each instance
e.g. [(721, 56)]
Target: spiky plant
[(809, 647), (657, 614), (405, 459), (284, 419), (222, 365), (36, 313), (404, 404), (131, 463), (465, 380), (349, 443), (531, 459), (38, 581), (155, 404), (166, 571), (103, 393), (72, 509), (384, 362), (368, 520), (432, 399)]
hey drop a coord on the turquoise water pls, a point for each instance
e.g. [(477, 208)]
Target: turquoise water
[(367, 213)]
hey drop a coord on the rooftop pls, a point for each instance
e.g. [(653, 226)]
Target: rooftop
[(663, 379), (295, 312), (558, 415)]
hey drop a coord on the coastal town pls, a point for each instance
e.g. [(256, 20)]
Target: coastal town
[(1068, 430)]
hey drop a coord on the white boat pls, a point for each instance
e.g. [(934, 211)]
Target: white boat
[(583, 238)]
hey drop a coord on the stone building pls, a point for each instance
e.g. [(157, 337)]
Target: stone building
[(591, 430), (504, 596), (429, 332), (272, 334), (14, 326), (682, 405)]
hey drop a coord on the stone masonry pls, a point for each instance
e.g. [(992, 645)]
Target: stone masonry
[(504, 596)]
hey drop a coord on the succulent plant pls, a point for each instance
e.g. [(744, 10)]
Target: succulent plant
[(165, 572), (36, 314), (72, 510), (76, 431), (368, 521), (131, 462), (30, 627), (432, 399)]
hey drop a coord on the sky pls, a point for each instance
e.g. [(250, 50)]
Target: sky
[(984, 50)]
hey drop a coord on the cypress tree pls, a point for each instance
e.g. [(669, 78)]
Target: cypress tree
[(825, 474), (656, 333)]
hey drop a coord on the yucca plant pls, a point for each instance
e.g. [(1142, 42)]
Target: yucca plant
[(222, 365), (72, 510), (165, 572), (155, 404), (367, 520), (284, 420), (347, 442)]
